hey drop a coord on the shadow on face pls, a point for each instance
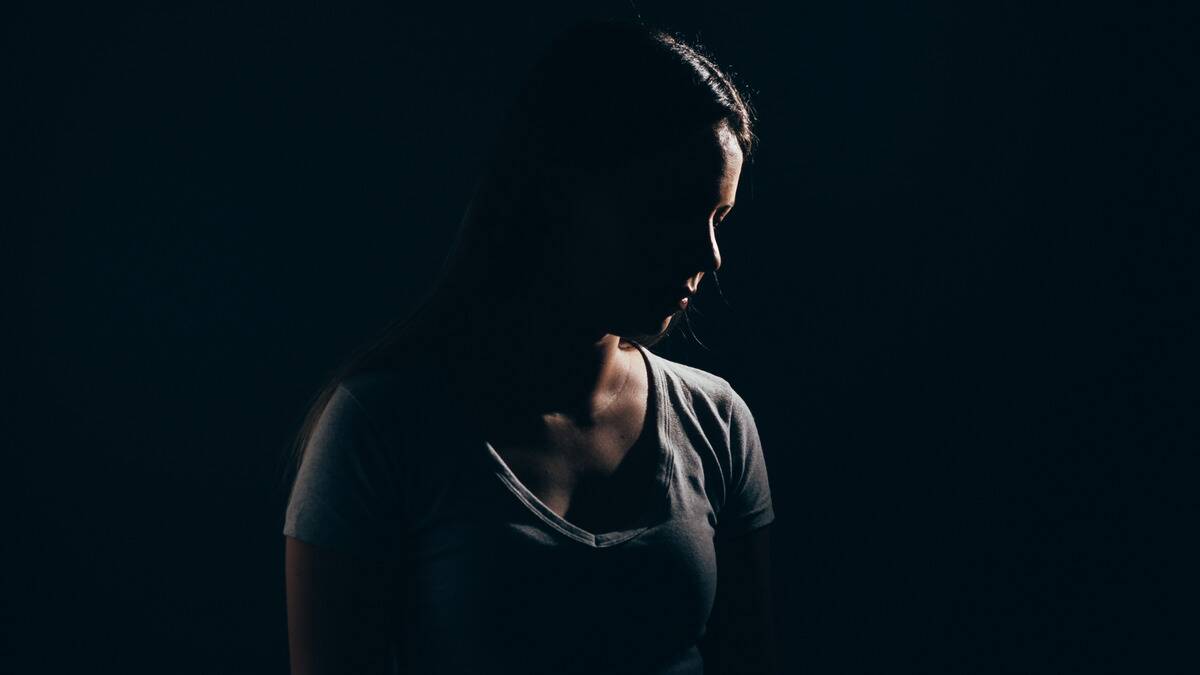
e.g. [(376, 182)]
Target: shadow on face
[(641, 238)]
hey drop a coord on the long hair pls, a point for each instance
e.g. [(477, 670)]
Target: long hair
[(602, 94)]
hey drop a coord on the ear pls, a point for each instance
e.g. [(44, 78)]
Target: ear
[(555, 205), (560, 191)]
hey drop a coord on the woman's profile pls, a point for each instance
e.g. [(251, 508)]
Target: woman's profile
[(508, 480)]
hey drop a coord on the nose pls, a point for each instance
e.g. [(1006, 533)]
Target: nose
[(706, 254), (714, 251)]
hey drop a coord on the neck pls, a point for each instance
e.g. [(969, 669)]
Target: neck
[(521, 361)]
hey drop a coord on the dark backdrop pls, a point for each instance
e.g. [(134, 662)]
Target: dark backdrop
[(956, 294)]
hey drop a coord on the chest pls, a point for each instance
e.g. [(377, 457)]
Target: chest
[(600, 479), (491, 579), (536, 551), (531, 609)]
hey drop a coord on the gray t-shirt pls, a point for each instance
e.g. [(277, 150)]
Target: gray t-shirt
[(497, 581)]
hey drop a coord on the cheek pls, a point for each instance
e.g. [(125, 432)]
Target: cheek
[(604, 250)]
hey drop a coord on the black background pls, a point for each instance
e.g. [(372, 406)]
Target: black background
[(957, 292)]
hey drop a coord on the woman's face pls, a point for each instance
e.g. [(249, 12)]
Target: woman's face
[(640, 241)]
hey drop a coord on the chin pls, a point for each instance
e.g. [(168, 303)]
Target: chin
[(648, 327), (644, 318)]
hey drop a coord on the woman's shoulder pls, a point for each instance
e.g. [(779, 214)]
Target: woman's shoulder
[(695, 385), (395, 378), (398, 395)]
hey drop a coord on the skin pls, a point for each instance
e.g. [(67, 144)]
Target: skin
[(563, 413)]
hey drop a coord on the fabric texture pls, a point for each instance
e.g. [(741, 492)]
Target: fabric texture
[(497, 582)]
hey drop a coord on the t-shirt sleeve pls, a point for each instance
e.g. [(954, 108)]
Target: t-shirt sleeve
[(748, 504), (344, 496)]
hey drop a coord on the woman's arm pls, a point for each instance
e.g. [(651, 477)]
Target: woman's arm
[(740, 637), (342, 611)]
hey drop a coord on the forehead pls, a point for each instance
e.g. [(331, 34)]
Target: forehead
[(706, 165)]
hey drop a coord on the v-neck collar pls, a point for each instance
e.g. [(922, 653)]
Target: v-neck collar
[(658, 416)]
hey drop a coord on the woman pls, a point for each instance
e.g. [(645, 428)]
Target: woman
[(509, 481)]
